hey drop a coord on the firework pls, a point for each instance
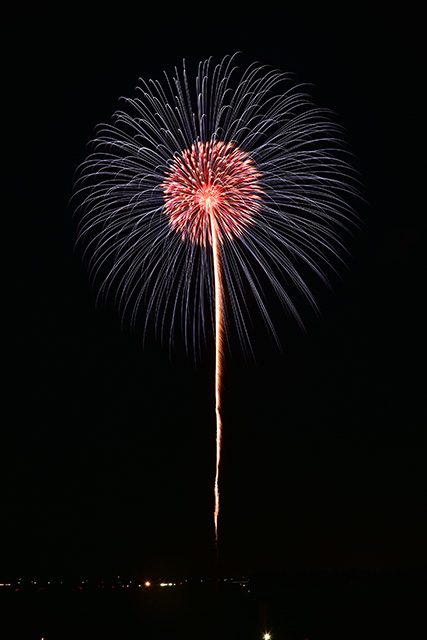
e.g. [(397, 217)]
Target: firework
[(194, 195)]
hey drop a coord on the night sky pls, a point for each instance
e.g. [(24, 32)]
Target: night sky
[(108, 448)]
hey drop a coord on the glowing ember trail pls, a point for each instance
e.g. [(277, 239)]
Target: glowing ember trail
[(211, 194), (219, 336)]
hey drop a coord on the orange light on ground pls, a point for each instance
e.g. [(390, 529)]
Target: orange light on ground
[(147, 583)]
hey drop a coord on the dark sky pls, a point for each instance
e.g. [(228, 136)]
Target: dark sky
[(108, 447)]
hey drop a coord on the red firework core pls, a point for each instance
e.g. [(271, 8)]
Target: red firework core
[(213, 183)]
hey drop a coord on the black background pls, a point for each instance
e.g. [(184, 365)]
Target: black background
[(108, 447)]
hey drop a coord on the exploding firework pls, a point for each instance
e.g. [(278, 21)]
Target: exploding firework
[(191, 199), (216, 183)]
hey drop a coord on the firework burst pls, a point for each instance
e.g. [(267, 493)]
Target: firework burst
[(212, 181), (191, 199)]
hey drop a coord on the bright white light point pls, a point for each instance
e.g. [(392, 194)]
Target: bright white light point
[(267, 636)]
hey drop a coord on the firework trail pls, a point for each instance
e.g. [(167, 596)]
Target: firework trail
[(219, 351), (192, 201)]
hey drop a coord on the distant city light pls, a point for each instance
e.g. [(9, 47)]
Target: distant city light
[(121, 583)]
